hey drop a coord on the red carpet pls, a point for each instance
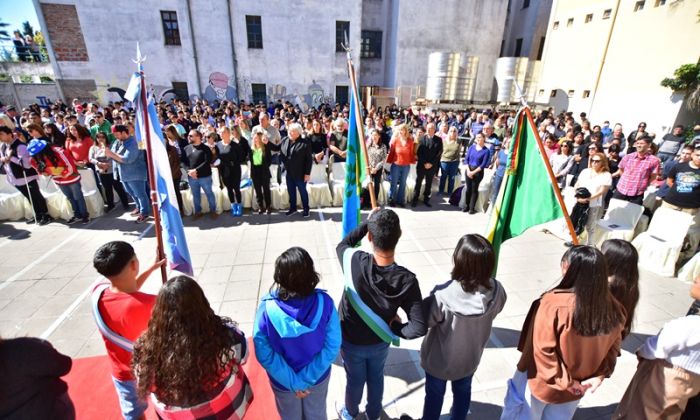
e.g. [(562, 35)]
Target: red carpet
[(91, 389)]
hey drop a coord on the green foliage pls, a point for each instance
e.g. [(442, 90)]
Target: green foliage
[(4, 77), (686, 78), (4, 34), (46, 79), (27, 29), (25, 79)]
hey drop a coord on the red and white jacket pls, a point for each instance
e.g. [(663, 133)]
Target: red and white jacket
[(64, 173)]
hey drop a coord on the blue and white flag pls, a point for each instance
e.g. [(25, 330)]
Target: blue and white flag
[(174, 241)]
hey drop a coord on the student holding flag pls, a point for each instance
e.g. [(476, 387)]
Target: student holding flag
[(375, 288)]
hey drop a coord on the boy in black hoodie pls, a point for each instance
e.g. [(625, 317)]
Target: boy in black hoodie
[(375, 288)]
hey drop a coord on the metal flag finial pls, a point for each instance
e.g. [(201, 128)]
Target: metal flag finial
[(139, 58), (346, 44)]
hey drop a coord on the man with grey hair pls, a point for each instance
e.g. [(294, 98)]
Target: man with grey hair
[(429, 153), (273, 135), (297, 159), (338, 142)]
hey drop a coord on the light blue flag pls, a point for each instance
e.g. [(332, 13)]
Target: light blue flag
[(354, 171), (174, 241)]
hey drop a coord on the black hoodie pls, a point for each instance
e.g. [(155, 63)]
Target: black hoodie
[(384, 290)]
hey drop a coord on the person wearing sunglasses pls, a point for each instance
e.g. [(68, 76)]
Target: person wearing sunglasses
[(597, 180)]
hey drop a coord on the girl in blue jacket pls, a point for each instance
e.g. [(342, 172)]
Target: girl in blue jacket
[(297, 337)]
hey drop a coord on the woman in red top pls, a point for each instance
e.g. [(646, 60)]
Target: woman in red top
[(78, 143), (402, 153)]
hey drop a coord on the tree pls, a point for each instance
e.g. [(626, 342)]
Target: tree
[(686, 80), (4, 35), (27, 29)]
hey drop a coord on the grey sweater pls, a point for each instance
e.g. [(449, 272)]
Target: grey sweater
[(459, 326)]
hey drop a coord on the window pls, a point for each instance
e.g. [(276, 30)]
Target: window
[(518, 47), (170, 28), (553, 93), (556, 25), (526, 4), (570, 94), (342, 27), (259, 92), (589, 17), (606, 13), (341, 94), (659, 3), (253, 26), (540, 50), (181, 91), (586, 93), (503, 45), (639, 6), (371, 44), (569, 22), (541, 92)]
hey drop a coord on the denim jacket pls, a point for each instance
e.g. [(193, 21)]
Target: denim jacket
[(133, 167)]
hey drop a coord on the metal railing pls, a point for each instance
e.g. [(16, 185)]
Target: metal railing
[(9, 53)]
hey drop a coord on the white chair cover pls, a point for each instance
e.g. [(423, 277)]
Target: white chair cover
[(93, 196), (338, 183), (220, 196), (318, 189), (247, 193), (58, 205), (690, 270), (13, 205), (411, 183), (484, 191), (660, 246), (559, 227), (278, 191), (619, 222)]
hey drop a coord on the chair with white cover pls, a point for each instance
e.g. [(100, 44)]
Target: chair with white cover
[(559, 227), (338, 183), (247, 188), (278, 191), (58, 205), (318, 189), (411, 183), (619, 222), (93, 197), (690, 270), (660, 246), (484, 191), (13, 205)]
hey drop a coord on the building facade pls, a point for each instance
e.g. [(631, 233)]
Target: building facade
[(608, 57), (266, 50)]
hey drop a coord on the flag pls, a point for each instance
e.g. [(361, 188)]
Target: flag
[(354, 169), (174, 241), (528, 195)]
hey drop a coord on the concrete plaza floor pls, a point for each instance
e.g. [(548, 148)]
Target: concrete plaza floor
[(46, 273)]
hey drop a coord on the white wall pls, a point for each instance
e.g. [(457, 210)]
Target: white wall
[(473, 27), (530, 24)]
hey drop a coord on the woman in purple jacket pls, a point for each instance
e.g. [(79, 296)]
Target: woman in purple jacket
[(477, 160), (297, 337)]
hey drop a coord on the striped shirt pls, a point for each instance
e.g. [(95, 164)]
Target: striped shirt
[(678, 343), (637, 171)]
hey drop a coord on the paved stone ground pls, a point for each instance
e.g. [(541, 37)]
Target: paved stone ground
[(46, 273)]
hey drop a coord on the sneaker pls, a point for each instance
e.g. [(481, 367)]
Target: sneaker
[(213, 215), (269, 210), (135, 212), (466, 209), (306, 213), (261, 210), (72, 220), (31, 221), (392, 203), (427, 203), (290, 212), (343, 413), (197, 216), (568, 244), (85, 220), (414, 203), (45, 220), (141, 219), (472, 211), (402, 205), (109, 208)]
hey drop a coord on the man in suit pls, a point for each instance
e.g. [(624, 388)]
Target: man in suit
[(297, 158)]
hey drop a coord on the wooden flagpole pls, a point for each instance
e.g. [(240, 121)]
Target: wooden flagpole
[(151, 171), (358, 123)]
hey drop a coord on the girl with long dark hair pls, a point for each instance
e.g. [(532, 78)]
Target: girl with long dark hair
[(621, 259), (576, 336), (189, 359), (103, 164), (54, 135), (260, 158)]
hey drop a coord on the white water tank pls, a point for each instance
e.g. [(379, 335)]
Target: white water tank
[(451, 77)]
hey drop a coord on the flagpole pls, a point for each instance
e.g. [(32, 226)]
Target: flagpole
[(151, 172), (360, 129), (552, 178)]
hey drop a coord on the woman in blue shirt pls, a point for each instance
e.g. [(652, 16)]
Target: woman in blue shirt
[(501, 166), (477, 159)]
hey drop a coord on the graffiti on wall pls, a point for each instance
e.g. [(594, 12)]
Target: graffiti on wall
[(220, 88), (314, 96)]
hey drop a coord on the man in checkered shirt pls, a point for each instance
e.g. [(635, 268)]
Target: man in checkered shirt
[(636, 172)]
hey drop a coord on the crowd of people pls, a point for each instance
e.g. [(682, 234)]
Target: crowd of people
[(174, 351), (58, 140)]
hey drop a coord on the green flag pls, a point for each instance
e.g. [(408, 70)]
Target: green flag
[(528, 195)]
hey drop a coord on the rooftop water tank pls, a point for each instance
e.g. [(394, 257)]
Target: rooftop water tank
[(451, 77)]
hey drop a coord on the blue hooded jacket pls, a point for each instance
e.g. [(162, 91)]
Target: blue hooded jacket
[(297, 340)]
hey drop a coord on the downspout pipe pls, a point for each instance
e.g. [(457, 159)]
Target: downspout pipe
[(234, 61), (194, 48)]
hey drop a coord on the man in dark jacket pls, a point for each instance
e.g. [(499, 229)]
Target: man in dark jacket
[(297, 158), (429, 153), (198, 160), (375, 288)]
